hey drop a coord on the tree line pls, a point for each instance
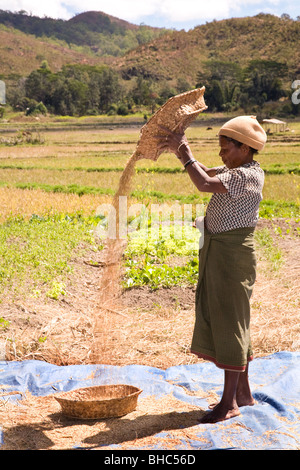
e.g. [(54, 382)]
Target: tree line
[(259, 88), (263, 86), (87, 90)]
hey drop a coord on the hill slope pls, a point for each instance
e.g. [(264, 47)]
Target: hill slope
[(237, 40), (22, 53), (101, 22), (95, 32)]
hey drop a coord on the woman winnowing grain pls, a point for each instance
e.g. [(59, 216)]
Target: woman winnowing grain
[(227, 263)]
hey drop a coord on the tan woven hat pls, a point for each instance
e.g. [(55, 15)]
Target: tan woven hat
[(179, 110), (245, 129)]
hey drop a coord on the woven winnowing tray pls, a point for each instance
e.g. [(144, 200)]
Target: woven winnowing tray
[(179, 110)]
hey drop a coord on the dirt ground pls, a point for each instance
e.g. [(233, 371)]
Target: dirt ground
[(147, 327), (144, 327)]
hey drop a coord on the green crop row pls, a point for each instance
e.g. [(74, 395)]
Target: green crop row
[(275, 169)]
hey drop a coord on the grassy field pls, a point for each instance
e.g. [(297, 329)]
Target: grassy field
[(53, 179), (90, 162)]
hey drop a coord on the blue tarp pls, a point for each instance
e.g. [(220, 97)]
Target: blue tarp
[(272, 423)]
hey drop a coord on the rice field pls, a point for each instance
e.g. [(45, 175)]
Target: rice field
[(72, 171), (89, 163)]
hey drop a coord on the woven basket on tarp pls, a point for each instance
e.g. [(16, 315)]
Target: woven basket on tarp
[(179, 110), (102, 401)]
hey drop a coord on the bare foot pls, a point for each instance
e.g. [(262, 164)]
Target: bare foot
[(219, 413), (242, 401)]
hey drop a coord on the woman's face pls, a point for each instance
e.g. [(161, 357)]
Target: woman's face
[(232, 155)]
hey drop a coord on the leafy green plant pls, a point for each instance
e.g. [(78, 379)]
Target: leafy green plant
[(161, 242), (57, 289), (42, 339), (4, 324), (38, 251), (155, 276), (269, 250), (149, 255)]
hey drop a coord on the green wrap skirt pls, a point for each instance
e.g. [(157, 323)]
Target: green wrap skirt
[(227, 271)]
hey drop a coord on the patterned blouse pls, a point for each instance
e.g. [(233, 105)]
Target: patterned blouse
[(238, 208)]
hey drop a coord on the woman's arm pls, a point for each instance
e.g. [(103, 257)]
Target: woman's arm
[(204, 178)]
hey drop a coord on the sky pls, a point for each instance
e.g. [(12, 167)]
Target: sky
[(177, 14)]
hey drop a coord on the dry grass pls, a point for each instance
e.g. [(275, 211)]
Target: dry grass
[(277, 187), (282, 188), (276, 302), (16, 202)]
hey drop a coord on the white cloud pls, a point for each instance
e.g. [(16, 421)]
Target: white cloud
[(137, 11), (124, 9), (173, 10), (53, 9), (130, 10)]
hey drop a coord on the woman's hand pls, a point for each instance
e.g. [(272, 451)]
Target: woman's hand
[(172, 140)]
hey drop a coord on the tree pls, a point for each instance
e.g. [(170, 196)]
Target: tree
[(214, 95), (110, 89), (76, 89), (38, 85), (263, 80), (141, 93), (221, 80), (229, 87)]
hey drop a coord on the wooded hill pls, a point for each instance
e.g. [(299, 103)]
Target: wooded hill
[(92, 34), (238, 40), (244, 62)]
